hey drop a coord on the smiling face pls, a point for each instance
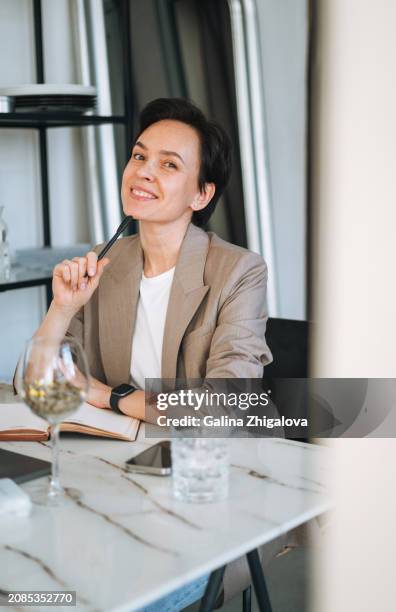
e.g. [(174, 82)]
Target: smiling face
[(160, 181)]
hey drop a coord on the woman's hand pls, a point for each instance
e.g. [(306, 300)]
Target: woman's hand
[(98, 394), (71, 287)]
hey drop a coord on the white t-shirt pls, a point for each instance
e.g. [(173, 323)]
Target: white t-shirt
[(149, 327)]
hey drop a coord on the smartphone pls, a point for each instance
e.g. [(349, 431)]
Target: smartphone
[(154, 460)]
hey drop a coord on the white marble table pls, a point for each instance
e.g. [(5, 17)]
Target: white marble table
[(127, 542)]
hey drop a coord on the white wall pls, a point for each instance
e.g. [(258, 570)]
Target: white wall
[(354, 191), (21, 310), (283, 38)]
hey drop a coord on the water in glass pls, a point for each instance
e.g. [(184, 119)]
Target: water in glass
[(200, 469)]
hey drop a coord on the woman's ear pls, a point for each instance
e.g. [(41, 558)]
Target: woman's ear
[(203, 198)]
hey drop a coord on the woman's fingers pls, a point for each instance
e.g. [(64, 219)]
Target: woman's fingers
[(92, 259), (102, 264), (66, 272), (73, 267), (99, 271), (81, 272), (62, 271)]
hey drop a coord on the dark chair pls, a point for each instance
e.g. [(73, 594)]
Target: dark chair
[(288, 341)]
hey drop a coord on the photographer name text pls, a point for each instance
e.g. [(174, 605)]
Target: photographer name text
[(226, 421)]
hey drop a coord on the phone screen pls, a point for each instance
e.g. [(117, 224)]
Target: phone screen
[(155, 457)]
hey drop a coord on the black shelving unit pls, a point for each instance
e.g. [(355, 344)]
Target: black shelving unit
[(44, 120), (47, 120)]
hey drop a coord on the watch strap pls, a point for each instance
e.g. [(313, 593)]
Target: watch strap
[(116, 396)]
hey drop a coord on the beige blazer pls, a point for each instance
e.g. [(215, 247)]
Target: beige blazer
[(216, 317), (214, 328)]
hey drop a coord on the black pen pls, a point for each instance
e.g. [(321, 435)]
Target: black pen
[(112, 240)]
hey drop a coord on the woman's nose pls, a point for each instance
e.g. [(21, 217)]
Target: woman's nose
[(146, 171)]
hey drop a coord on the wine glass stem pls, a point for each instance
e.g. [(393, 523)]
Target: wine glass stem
[(55, 487)]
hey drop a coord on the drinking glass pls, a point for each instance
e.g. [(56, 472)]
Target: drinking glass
[(200, 469), (53, 386)]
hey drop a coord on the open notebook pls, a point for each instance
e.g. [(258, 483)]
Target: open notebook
[(17, 422)]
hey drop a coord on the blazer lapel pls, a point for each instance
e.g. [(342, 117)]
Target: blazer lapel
[(118, 298), (188, 291)]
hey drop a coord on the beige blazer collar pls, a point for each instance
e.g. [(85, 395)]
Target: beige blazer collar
[(187, 292), (118, 299)]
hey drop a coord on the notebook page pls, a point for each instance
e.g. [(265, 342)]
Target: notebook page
[(19, 417), (103, 419)]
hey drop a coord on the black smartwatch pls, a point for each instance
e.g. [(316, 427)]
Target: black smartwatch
[(118, 393)]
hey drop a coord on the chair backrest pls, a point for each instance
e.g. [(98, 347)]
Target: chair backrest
[(288, 341)]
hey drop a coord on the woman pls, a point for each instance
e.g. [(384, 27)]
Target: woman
[(172, 301)]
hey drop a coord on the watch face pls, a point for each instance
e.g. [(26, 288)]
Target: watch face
[(123, 389)]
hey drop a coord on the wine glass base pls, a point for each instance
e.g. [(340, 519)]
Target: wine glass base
[(43, 494)]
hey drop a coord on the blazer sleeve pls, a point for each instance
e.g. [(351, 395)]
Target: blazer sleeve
[(76, 327), (238, 348), (84, 327)]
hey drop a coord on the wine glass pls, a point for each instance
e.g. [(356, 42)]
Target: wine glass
[(53, 380)]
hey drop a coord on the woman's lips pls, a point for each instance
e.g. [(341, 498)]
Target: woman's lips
[(143, 196)]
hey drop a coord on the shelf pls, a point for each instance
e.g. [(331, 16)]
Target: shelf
[(33, 267), (23, 279), (52, 120)]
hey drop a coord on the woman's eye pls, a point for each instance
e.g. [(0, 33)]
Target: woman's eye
[(137, 156), (170, 164)]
